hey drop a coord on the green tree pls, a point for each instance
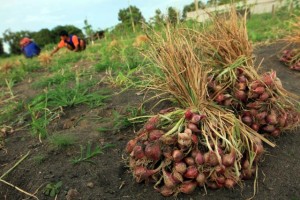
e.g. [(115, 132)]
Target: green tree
[(13, 39), (158, 18), (88, 29), (172, 15), (1, 47), (130, 16), (44, 37), (191, 7)]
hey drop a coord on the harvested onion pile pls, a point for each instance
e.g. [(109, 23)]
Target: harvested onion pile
[(291, 58), (258, 102), (181, 150)]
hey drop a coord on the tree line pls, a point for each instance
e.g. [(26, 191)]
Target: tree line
[(131, 19)]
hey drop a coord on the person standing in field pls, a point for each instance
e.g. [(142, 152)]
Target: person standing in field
[(72, 42), (29, 48)]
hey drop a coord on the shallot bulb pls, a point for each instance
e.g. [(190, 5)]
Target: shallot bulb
[(180, 167), (188, 187)]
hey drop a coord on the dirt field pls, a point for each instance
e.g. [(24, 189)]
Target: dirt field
[(108, 178)]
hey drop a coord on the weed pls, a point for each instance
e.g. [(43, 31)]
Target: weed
[(39, 159), (55, 79), (65, 96), (62, 141), (89, 153), (52, 189)]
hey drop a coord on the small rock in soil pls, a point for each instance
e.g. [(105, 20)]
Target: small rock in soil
[(73, 194), (90, 184)]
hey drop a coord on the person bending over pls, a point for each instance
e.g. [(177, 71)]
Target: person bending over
[(72, 42), (29, 48)]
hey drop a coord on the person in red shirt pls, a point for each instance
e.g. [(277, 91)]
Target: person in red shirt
[(72, 42)]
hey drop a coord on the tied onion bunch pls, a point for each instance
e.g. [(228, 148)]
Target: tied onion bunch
[(198, 144), (259, 101)]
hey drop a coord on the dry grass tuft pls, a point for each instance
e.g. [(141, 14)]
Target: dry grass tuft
[(140, 40), (113, 44), (6, 67), (45, 59)]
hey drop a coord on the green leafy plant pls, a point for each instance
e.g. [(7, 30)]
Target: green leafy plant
[(52, 189), (39, 158), (87, 153), (55, 79), (62, 141)]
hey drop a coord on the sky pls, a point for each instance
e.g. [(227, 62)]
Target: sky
[(33, 15)]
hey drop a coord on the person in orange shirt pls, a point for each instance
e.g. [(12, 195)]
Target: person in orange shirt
[(72, 42)]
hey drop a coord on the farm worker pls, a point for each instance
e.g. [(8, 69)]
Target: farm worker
[(72, 42), (29, 48)]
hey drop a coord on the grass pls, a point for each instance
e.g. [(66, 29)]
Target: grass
[(55, 79), (265, 27), (39, 159), (62, 141), (86, 153)]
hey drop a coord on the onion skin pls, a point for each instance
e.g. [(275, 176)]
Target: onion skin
[(259, 90), (177, 177), (220, 98), (228, 159), (188, 187), (155, 134), (191, 172), (255, 126), (180, 167), (276, 133), (177, 155), (247, 120), (149, 126), (269, 78), (189, 161), (153, 151), (228, 102), (165, 191), (194, 139), (201, 179), (248, 173), (241, 86), (130, 145), (272, 118), (167, 152), (199, 158), (269, 128), (212, 185), (168, 140), (197, 118), (168, 179), (142, 173), (255, 85), (220, 169), (229, 183), (242, 79), (246, 164), (194, 128), (241, 95), (220, 180), (211, 158), (261, 115), (264, 96), (188, 114), (138, 152)]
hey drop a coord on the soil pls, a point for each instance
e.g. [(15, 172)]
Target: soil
[(108, 178)]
